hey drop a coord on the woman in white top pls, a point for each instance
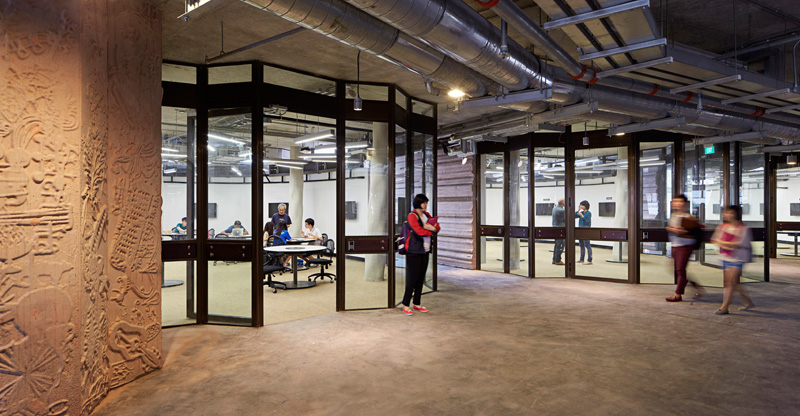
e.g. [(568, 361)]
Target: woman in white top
[(733, 239)]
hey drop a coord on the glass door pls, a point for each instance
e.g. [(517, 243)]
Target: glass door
[(229, 189), (518, 198), (657, 177), (600, 214), (548, 167), (367, 245), (787, 208), (492, 199)]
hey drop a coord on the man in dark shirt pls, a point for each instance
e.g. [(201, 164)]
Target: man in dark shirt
[(559, 220), (282, 215)]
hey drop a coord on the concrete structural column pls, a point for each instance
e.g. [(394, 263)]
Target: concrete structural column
[(377, 220), (295, 194), (80, 250)]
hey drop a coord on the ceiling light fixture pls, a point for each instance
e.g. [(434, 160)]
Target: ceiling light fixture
[(319, 156), (620, 134), (463, 160), (323, 134), (289, 166), (224, 139), (211, 148), (286, 161), (170, 171), (168, 155), (455, 93), (791, 159), (167, 149), (236, 170), (358, 104)]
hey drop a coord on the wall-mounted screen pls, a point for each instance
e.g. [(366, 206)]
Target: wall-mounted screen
[(745, 209), (715, 209), (545, 208), (212, 209), (794, 209), (606, 209), (350, 210)]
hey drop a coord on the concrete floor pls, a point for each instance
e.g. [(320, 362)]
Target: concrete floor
[(495, 345)]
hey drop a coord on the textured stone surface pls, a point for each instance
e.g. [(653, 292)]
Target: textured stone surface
[(456, 209), (493, 345), (77, 84)]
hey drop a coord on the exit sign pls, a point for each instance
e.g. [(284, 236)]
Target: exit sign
[(709, 150)]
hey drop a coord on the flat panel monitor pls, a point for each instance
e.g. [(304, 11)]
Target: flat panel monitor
[(212, 209), (545, 208), (745, 209), (715, 209), (350, 210), (794, 209), (606, 209)]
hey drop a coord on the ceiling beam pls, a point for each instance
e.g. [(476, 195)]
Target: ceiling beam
[(623, 49), (699, 85), (597, 14)]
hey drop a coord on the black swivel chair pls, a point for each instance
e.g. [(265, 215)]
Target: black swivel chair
[(324, 263), (273, 263), (220, 236)]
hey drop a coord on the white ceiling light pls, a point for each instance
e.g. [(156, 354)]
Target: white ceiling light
[(170, 171), (319, 156), (456, 93), (236, 170), (170, 155), (286, 161), (324, 134), (167, 149), (289, 166), (211, 148), (224, 139), (791, 159)]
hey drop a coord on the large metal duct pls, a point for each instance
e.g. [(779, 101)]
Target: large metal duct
[(338, 20), (454, 28), (511, 13)]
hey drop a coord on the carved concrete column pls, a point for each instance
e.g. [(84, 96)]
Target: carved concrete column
[(79, 201)]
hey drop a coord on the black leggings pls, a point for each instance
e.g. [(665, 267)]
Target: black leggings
[(416, 268)]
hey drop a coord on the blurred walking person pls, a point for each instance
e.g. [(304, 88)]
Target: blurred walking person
[(683, 231), (733, 239)]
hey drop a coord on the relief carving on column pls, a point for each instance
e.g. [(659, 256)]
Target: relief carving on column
[(134, 182), (39, 185)]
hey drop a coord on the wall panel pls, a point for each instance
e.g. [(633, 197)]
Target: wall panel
[(456, 209)]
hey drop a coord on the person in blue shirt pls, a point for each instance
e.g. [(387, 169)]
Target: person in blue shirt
[(283, 233), (181, 228), (585, 221), (236, 224)]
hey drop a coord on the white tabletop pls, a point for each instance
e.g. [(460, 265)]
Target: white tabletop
[(294, 249)]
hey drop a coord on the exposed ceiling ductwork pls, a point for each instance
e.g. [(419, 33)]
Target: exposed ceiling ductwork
[(411, 29), (338, 20)]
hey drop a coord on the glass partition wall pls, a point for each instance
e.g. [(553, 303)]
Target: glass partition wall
[(600, 211), (245, 143)]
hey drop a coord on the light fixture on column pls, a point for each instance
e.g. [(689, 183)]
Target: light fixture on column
[(791, 159), (358, 104)]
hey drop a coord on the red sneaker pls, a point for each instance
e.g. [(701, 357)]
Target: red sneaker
[(408, 312), (420, 308)]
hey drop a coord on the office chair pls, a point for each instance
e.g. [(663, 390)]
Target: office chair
[(221, 236), (211, 233), (323, 264), (272, 264)]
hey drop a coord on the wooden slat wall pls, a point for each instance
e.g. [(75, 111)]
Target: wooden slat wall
[(457, 204)]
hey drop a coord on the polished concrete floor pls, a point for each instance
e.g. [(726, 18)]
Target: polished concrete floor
[(495, 344)]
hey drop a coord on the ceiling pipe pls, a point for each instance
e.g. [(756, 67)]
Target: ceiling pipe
[(511, 13), (442, 25), (340, 21)]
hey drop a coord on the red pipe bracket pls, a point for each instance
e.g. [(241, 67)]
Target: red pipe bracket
[(488, 4), (571, 76), (688, 97), (655, 90)]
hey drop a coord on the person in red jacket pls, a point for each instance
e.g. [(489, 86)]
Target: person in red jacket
[(418, 247)]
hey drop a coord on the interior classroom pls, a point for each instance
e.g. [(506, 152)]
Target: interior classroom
[(300, 175)]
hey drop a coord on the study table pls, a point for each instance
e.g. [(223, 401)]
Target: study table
[(294, 251)]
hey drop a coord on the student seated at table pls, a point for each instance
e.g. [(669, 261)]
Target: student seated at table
[(283, 233), (181, 227), (310, 231), (236, 224), (268, 230)]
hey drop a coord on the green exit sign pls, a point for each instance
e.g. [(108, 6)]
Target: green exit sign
[(709, 150)]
